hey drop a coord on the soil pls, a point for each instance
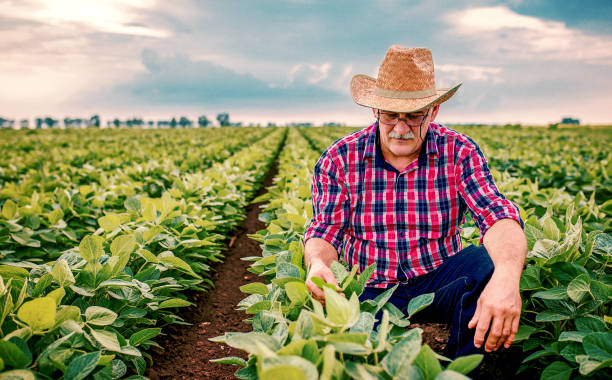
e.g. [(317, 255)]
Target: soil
[(188, 351)]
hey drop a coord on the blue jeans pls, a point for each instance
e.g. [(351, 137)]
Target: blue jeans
[(457, 284)]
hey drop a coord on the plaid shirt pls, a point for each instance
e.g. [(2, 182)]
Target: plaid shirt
[(406, 222)]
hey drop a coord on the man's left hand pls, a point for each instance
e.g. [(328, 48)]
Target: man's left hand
[(499, 307)]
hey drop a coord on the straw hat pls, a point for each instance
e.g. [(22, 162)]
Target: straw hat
[(405, 83)]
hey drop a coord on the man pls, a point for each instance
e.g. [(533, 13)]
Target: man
[(395, 194)]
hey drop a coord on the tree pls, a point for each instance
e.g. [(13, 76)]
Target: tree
[(50, 121), (203, 121), (117, 123), (173, 122), (94, 121), (223, 119), (184, 122)]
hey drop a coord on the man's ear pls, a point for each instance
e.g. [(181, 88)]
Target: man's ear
[(434, 112), (375, 112)]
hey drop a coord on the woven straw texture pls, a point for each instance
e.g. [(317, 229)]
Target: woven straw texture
[(405, 83)]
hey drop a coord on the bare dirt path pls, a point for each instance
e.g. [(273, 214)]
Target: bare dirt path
[(187, 348)]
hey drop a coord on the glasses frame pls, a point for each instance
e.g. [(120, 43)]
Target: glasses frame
[(418, 119)]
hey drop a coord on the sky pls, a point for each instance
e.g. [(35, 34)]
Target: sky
[(530, 62)]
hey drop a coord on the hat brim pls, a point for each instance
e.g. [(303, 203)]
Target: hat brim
[(362, 91)]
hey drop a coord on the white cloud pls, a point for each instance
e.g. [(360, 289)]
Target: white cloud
[(499, 30), (111, 16), (308, 73), (456, 73)]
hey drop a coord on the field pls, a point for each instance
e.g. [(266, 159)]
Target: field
[(109, 237)]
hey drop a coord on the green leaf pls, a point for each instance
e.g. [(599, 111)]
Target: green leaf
[(530, 279), (451, 375), (62, 274), (82, 366), (99, 316), (598, 345), (90, 247), (107, 339), (173, 302), (123, 245), (307, 368), (524, 332), (143, 335), (551, 231), (603, 244), (465, 364), (9, 209), (233, 360), (419, 303), (403, 353), (132, 204), (14, 356), (283, 372), (38, 313), (428, 363), (248, 341), (339, 271), (341, 311), (255, 288), (565, 272), (556, 293), (177, 263), (579, 287), (18, 374), (557, 371), (296, 291), (109, 222), (590, 323)]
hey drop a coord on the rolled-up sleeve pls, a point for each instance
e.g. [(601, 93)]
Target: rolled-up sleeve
[(330, 203), (477, 188)]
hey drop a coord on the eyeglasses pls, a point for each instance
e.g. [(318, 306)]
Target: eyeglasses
[(392, 118)]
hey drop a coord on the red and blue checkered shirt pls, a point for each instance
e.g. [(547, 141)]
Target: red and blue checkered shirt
[(406, 222)]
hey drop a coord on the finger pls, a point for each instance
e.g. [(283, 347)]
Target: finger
[(316, 291), (505, 332), (484, 320), (474, 321), (510, 339), (330, 279), (494, 334)]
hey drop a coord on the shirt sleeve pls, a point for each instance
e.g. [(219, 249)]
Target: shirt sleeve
[(330, 203), (477, 188)]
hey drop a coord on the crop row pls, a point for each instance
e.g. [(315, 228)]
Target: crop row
[(93, 309)]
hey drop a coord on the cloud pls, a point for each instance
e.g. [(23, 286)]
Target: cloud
[(503, 32), (111, 16), (470, 72), (177, 79)]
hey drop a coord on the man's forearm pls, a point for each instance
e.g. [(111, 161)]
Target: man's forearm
[(506, 243), (317, 250)]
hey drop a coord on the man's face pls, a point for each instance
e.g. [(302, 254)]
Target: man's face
[(399, 132)]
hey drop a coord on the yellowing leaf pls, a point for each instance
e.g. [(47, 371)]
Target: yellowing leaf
[(62, 274), (123, 245), (109, 222), (9, 209), (90, 247), (55, 216), (38, 313), (57, 295)]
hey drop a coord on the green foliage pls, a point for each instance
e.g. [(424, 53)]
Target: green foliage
[(109, 254)]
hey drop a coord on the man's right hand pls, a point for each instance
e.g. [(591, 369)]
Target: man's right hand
[(319, 269)]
